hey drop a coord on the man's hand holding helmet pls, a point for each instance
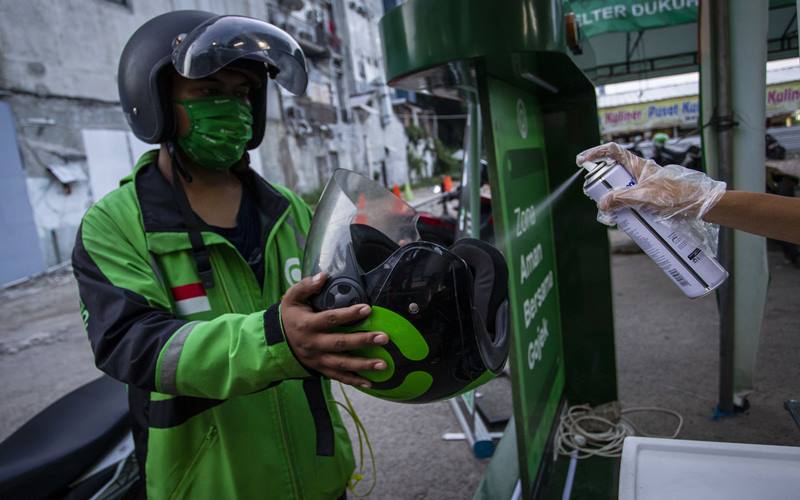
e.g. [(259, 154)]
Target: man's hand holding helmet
[(315, 346)]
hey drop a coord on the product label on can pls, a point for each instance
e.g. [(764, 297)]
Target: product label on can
[(678, 257)]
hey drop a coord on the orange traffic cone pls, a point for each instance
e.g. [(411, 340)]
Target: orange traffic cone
[(361, 213), (396, 190), (447, 184)]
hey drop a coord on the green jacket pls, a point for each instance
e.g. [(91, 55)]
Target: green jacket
[(221, 408)]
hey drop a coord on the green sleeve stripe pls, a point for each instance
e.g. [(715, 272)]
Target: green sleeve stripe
[(167, 366)]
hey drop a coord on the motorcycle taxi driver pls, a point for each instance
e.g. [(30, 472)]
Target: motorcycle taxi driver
[(188, 281)]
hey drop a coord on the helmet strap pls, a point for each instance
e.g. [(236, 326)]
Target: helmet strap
[(193, 223), (177, 164)]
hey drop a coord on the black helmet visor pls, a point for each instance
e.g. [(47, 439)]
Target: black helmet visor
[(219, 41)]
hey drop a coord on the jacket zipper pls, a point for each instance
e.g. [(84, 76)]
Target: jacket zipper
[(268, 237), (208, 440), (265, 241), (292, 476), (225, 294), (278, 407)]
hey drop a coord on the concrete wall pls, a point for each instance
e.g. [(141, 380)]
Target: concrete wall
[(369, 138), (366, 74), (71, 48), (58, 73)]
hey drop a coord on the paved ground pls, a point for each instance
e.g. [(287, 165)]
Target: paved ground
[(666, 351)]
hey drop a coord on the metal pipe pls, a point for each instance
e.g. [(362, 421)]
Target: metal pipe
[(474, 166), (723, 116), (462, 421), (573, 464), (469, 216)]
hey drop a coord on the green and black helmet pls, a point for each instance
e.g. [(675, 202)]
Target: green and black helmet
[(445, 310)]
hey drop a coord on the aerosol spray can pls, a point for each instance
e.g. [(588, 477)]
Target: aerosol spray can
[(690, 268)]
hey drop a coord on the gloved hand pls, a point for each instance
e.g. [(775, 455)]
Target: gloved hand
[(678, 196)]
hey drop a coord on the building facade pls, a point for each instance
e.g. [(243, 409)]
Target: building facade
[(58, 92)]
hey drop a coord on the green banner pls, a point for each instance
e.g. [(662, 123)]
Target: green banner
[(596, 17), (603, 16)]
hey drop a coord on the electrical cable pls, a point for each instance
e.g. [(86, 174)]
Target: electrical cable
[(585, 431), (363, 438)]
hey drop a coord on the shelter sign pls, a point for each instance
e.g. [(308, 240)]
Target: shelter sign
[(521, 186), (603, 16), (596, 17)]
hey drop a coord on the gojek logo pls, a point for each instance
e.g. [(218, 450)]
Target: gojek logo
[(291, 271)]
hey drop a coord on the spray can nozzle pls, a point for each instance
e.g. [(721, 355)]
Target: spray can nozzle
[(591, 166)]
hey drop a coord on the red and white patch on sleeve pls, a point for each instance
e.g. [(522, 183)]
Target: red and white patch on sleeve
[(190, 299)]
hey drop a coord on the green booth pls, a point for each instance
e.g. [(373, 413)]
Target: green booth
[(531, 110)]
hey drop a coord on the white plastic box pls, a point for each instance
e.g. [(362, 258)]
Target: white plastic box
[(674, 469)]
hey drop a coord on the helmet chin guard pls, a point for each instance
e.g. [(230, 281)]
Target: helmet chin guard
[(444, 310)]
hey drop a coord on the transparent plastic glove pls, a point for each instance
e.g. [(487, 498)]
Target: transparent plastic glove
[(678, 196)]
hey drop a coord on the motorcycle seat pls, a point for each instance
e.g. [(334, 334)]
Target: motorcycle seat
[(57, 445)]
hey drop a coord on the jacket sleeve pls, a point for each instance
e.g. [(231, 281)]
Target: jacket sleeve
[(136, 339)]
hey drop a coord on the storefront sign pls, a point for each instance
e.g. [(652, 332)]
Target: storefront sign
[(683, 111), (782, 98)]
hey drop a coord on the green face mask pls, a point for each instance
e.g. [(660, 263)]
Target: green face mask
[(220, 130)]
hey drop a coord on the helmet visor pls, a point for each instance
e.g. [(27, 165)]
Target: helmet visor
[(224, 39), (351, 204)]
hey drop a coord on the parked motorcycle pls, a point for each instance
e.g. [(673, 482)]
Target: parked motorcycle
[(79, 447), (443, 228), (774, 150)]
